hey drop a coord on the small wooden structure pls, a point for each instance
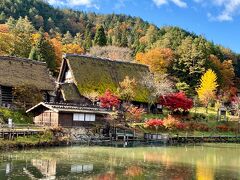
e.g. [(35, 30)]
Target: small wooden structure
[(11, 133), (222, 113), (16, 72), (67, 115)]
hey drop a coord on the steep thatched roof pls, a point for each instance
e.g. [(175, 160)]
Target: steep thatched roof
[(70, 92), (97, 74), (19, 71)]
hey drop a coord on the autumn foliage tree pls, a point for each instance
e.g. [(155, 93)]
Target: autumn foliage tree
[(134, 113), (127, 89), (154, 123), (72, 49), (157, 85), (109, 100), (158, 59), (177, 101), (57, 45), (207, 89), (224, 71)]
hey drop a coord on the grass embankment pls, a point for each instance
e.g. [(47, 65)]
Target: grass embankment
[(27, 141), (47, 138)]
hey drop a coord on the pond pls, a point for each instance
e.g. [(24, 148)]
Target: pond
[(202, 162)]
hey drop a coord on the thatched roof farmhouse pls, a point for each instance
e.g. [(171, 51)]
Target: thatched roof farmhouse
[(16, 72), (80, 74)]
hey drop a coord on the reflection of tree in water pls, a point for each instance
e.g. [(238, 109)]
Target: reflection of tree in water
[(203, 172), (134, 171), (110, 175)]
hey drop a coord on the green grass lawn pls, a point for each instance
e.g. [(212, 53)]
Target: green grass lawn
[(212, 113)]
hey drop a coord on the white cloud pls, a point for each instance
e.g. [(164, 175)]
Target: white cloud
[(179, 3), (73, 3), (228, 9), (231, 8), (160, 2)]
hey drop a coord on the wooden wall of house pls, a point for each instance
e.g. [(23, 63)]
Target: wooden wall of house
[(46, 118), (66, 120), (6, 96), (0, 95)]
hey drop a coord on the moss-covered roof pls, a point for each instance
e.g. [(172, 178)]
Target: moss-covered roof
[(19, 71), (70, 92), (96, 74)]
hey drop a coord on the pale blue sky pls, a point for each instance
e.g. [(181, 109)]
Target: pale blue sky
[(217, 20)]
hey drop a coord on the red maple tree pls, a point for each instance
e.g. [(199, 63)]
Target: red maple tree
[(109, 100), (154, 123), (177, 101)]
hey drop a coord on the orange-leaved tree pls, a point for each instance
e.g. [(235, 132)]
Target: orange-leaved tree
[(57, 45), (72, 49), (224, 71), (158, 59)]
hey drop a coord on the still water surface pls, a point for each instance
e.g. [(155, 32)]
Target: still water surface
[(203, 162)]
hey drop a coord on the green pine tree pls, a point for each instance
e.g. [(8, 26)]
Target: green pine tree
[(43, 51), (100, 37)]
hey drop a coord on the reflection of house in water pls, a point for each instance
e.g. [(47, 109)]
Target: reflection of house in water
[(81, 168), (8, 168), (49, 168), (46, 167)]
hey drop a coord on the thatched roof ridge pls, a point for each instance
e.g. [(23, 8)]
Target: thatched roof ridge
[(104, 59), (98, 74), (22, 71), (13, 58)]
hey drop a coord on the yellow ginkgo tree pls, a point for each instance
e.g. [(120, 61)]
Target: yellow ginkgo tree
[(207, 89)]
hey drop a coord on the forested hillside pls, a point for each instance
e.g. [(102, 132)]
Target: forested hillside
[(34, 29)]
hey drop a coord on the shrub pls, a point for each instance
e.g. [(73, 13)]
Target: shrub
[(154, 123), (202, 127), (181, 126), (191, 126), (233, 129), (171, 123), (222, 128)]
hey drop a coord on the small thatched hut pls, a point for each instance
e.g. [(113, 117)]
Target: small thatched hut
[(16, 72)]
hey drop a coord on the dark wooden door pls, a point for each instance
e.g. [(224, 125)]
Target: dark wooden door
[(66, 119)]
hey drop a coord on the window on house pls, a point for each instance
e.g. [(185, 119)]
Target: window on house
[(78, 117), (83, 117), (90, 117)]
